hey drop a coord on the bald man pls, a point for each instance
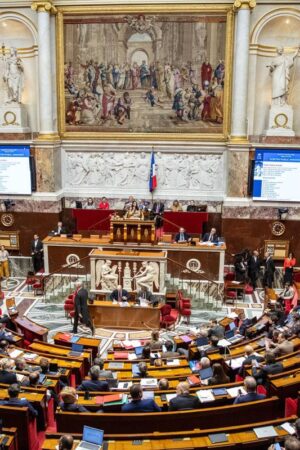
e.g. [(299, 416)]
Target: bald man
[(250, 356), (183, 399)]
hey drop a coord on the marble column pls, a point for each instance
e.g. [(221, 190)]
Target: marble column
[(44, 9), (241, 69)]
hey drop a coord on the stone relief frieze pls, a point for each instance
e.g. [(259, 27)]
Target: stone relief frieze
[(198, 172)]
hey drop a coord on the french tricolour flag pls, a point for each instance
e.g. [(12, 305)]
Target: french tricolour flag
[(152, 179)]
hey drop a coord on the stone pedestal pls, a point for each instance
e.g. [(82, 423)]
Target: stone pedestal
[(281, 121), (13, 118)]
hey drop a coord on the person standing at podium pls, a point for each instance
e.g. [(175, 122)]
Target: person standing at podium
[(37, 253), (119, 294)]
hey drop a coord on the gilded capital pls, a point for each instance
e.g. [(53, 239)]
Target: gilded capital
[(45, 6), (244, 4)]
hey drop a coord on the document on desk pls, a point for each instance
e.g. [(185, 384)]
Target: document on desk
[(265, 432), (15, 353), (170, 396), (236, 363), (235, 391), (132, 356), (149, 382), (205, 395), (288, 427), (173, 362)]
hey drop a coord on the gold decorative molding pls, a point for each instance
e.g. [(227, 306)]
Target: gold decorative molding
[(45, 6), (54, 137), (244, 4), (238, 140)]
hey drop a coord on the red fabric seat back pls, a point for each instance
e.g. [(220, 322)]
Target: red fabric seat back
[(165, 310)]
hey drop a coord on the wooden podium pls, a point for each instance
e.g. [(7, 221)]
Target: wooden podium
[(132, 230)]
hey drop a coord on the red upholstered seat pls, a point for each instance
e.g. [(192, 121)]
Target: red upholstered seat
[(165, 310), (184, 311), (166, 319), (248, 289), (291, 407), (261, 390), (229, 276)]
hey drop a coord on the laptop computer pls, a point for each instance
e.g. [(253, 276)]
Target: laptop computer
[(232, 326), (138, 351), (229, 334), (205, 373), (53, 368), (201, 341), (77, 350), (92, 439)]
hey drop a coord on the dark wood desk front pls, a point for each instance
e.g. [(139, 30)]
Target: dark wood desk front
[(31, 330), (107, 314)]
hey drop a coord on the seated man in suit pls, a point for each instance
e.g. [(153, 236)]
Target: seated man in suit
[(7, 376), (216, 330), (270, 367), (182, 237), (137, 403), (169, 353), (145, 294), (13, 393), (94, 384), (250, 356), (183, 399), (251, 396), (284, 346), (103, 373), (59, 229), (211, 236), (66, 442), (191, 207), (119, 294), (5, 335)]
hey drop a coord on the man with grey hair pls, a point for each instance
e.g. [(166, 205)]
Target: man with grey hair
[(251, 396), (94, 384), (81, 308), (183, 399), (204, 362)]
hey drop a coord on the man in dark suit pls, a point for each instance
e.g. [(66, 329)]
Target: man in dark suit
[(216, 330), (183, 399), (138, 404), (59, 229), (271, 367), (13, 393), (145, 294), (254, 268), (250, 356), (269, 271), (119, 294), (182, 236), (81, 307), (37, 253), (251, 396), (103, 373), (169, 353), (6, 374), (94, 384), (192, 207), (156, 212), (211, 236)]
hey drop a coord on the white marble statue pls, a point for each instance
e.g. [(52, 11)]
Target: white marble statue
[(147, 275), (106, 275), (13, 76), (280, 70)]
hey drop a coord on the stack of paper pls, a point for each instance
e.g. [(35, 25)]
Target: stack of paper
[(132, 356), (235, 391), (173, 362), (15, 353), (124, 385), (30, 356), (149, 382), (205, 395), (236, 363)]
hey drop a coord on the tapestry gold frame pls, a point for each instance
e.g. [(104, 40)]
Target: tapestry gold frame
[(192, 9)]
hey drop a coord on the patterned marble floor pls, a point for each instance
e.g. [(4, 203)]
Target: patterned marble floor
[(50, 312)]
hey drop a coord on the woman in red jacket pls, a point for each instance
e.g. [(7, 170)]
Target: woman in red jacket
[(288, 266)]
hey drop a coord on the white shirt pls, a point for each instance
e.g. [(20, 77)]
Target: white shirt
[(4, 255)]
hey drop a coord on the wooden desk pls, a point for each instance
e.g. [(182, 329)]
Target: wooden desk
[(229, 415), (31, 330), (211, 258), (195, 439), (11, 434), (63, 352), (107, 314), (132, 230), (87, 342)]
